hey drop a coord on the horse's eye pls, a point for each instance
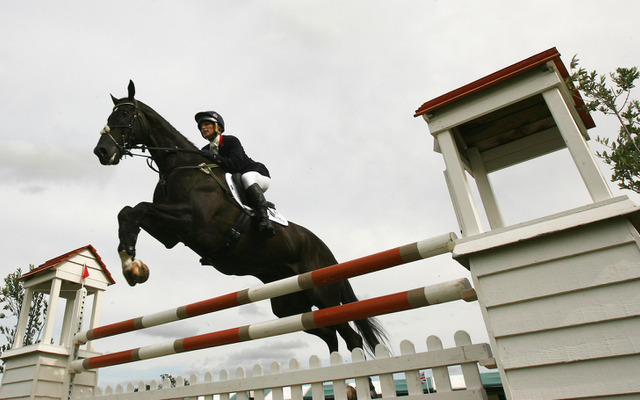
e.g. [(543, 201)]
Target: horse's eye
[(125, 113)]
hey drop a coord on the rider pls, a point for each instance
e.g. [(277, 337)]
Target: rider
[(227, 151)]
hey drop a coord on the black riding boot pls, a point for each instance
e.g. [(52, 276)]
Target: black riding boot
[(255, 195)]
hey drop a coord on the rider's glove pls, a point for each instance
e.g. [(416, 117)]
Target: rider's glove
[(210, 155)]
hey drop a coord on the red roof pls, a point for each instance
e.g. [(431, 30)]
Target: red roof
[(532, 62), (60, 259)]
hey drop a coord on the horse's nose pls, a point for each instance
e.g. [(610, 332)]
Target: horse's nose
[(100, 151), (102, 154)]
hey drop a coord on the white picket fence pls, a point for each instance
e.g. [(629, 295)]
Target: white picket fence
[(277, 382)]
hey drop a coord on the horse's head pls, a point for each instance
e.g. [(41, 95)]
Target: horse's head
[(126, 127)]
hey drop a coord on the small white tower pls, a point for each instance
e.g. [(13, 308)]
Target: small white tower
[(40, 371), (560, 295), (509, 117)]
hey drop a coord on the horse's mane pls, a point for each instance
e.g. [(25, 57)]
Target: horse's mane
[(158, 120)]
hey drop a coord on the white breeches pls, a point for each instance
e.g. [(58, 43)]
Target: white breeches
[(251, 177)]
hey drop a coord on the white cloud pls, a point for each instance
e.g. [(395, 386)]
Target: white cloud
[(26, 162)]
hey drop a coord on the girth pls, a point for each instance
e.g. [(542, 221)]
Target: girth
[(232, 236)]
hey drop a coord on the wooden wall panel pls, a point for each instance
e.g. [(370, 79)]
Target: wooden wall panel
[(585, 270), (557, 245), (571, 344), (593, 378), (569, 309)]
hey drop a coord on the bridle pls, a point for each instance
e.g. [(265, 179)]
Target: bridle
[(128, 142), (128, 138)]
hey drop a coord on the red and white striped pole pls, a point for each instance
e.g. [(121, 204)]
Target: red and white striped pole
[(421, 297), (390, 258)]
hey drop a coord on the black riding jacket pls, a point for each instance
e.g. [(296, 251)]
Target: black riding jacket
[(233, 158)]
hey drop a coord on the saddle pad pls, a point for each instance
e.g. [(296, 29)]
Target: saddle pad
[(274, 215)]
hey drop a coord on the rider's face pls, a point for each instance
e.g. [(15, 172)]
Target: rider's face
[(208, 130)]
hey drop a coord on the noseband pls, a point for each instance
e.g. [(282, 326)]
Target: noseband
[(128, 138)]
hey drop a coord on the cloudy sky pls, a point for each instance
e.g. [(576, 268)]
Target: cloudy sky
[(322, 92)]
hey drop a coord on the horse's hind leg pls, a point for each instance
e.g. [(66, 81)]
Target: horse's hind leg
[(298, 303), (350, 336), (328, 335)]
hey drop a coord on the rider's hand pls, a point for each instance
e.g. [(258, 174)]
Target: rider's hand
[(210, 155)]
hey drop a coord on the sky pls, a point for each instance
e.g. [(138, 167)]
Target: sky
[(322, 92)]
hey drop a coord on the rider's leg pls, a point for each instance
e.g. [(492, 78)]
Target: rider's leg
[(255, 185)]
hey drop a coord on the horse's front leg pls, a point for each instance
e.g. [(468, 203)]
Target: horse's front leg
[(162, 221), (134, 271)]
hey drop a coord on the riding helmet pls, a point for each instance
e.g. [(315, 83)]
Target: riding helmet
[(210, 116)]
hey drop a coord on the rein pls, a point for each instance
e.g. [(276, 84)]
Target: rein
[(150, 159)]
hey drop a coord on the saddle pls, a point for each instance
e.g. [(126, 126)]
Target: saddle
[(235, 183)]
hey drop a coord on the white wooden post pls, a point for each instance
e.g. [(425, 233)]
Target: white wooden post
[(591, 175), (23, 318), (241, 373), (277, 393), (470, 371), (95, 316), (77, 315), (459, 186), (54, 299), (414, 385), (441, 376), (339, 386), (363, 391), (387, 384), (317, 388), (296, 390), (66, 323), (484, 188), (258, 370)]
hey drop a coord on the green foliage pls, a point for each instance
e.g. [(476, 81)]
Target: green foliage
[(11, 295), (623, 153)]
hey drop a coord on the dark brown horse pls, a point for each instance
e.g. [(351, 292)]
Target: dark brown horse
[(195, 208)]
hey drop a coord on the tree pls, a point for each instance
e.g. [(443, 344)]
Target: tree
[(623, 153), (11, 295)]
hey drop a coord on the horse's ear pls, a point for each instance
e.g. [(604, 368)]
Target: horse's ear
[(113, 99), (132, 90)]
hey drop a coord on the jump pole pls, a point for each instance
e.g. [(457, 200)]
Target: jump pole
[(459, 289), (390, 258)]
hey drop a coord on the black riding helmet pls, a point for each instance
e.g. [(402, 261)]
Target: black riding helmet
[(210, 116)]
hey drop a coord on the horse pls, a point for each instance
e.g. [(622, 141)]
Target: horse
[(196, 209)]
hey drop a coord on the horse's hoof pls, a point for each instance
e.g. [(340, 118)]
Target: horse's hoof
[(138, 272), (131, 280), (141, 270)]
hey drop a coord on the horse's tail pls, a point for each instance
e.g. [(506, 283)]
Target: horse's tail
[(370, 329)]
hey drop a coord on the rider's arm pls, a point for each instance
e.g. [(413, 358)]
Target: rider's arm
[(231, 154)]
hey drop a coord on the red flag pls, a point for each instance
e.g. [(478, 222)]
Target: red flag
[(85, 273)]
